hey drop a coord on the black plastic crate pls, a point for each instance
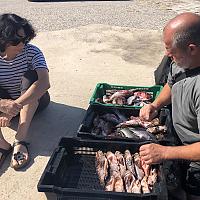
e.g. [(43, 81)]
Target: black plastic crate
[(71, 173), (85, 128)]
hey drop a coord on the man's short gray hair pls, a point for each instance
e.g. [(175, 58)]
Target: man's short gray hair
[(185, 36)]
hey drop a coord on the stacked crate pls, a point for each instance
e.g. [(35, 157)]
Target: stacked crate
[(71, 171)]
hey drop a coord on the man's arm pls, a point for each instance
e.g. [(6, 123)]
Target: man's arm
[(164, 97), (37, 89), (149, 111), (155, 153)]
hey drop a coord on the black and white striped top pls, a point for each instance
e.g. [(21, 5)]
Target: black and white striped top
[(11, 72)]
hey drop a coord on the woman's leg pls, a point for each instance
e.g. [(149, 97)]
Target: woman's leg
[(26, 115), (3, 143)]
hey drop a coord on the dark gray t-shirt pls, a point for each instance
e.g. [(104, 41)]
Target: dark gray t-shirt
[(185, 105)]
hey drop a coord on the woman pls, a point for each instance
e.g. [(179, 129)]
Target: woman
[(24, 81)]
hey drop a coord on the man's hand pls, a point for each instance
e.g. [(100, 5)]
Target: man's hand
[(152, 153), (5, 120), (148, 112), (10, 107)]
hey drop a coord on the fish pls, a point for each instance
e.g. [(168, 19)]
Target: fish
[(152, 178), (138, 166), (109, 117), (119, 101), (129, 162), (119, 185), (131, 122), (142, 133), (126, 132), (106, 99), (145, 167), (136, 187), (129, 178), (112, 160), (157, 129), (144, 184), (110, 184), (121, 93), (131, 99), (101, 166), (121, 163)]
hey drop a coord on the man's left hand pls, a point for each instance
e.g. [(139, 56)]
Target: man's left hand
[(152, 153)]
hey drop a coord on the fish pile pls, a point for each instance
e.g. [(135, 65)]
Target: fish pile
[(112, 125), (125, 173), (132, 97)]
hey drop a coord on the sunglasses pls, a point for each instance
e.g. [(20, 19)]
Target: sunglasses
[(15, 42)]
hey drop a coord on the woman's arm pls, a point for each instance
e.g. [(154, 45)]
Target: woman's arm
[(37, 89)]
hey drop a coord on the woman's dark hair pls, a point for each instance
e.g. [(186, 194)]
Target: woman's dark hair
[(10, 24)]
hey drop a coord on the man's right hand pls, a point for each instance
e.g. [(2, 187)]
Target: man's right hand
[(10, 107), (148, 112)]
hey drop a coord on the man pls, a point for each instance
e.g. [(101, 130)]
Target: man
[(24, 81), (181, 37)]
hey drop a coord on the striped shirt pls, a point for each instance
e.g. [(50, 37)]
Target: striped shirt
[(11, 72)]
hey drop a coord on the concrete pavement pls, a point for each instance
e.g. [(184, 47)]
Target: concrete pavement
[(78, 59)]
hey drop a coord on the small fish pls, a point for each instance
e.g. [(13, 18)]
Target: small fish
[(129, 162), (157, 129), (102, 166), (110, 184), (121, 163), (138, 166), (144, 184), (132, 122), (126, 132), (131, 99), (153, 175), (141, 133), (109, 117), (129, 178), (119, 185), (136, 187)]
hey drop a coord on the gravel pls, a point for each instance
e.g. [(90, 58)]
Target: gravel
[(145, 14)]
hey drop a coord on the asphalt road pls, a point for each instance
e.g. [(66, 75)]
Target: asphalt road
[(49, 16)]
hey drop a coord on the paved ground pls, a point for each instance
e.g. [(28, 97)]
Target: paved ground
[(84, 43)]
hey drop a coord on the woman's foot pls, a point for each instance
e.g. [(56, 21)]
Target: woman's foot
[(20, 157)]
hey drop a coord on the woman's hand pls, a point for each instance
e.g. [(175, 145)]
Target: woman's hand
[(5, 120), (10, 107)]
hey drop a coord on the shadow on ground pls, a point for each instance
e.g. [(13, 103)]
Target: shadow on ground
[(56, 121)]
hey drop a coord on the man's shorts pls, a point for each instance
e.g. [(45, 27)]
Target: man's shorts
[(191, 179)]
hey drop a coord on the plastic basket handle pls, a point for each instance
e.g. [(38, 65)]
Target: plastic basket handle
[(56, 159)]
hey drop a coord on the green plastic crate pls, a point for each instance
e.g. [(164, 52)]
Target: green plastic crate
[(101, 88)]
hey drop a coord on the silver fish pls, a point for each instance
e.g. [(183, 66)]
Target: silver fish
[(129, 162), (141, 133)]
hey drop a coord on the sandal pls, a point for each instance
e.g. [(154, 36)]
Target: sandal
[(19, 156), (4, 154)]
